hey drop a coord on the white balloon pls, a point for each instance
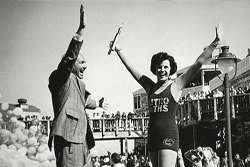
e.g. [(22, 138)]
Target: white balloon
[(4, 106), (13, 119), (93, 153), (18, 111), (33, 129)]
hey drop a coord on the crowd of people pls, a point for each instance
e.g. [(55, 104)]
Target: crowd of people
[(121, 160), (214, 93), (118, 115), (206, 157), (237, 161), (199, 157)]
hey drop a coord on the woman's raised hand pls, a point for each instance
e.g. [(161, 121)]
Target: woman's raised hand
[(219, 31)]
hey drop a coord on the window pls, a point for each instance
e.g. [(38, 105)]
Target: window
[(137, 102)]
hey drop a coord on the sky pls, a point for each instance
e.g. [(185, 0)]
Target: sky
[(35, 34)]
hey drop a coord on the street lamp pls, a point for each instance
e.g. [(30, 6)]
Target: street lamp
[(226, 62)]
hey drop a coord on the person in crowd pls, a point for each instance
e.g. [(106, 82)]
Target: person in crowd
[(98, 116), (116, 160), (143, 162), (209, 94), (238, 162), (136, 161), (217, 93), (179, 160), (130, 161), (210, 157), (103, 116), (201, 95), (195, 156), (130, 115), (248, 52), (189, 96), (96, 162), (112, 115), (224, 162), (232, 91), (93, 161), (247, 159), (246, 89), (94, 115), (240, 91), (70, 129), (195, 96), (87, 116), (124, 116), (216, 160), (124, 159), (163, 100), (149, 162), (182, 100), (107, 115), (106, 161), (118, 115), (101, 159), (123, 120)]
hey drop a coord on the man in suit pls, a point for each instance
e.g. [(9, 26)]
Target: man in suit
[(70, 130)]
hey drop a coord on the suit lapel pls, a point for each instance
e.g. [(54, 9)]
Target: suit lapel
[(80, 89)]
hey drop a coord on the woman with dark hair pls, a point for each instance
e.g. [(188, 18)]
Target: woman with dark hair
[(163, 97), (116, 160)]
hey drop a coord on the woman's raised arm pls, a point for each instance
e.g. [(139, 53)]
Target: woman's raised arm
[(193, 69)]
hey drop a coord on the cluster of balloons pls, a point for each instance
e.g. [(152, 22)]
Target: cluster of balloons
[(6, 114), (21, 146)]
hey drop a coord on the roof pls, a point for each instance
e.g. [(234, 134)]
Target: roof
[(27, 108), (140, 91), (206, 66)]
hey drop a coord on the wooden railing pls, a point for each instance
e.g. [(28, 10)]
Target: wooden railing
[(191, 112), (107, 127), (212, 109), (112, 128)]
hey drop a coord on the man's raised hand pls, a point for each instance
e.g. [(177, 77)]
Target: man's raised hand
[(82, 18)]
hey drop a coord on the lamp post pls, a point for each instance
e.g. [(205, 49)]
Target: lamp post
[(226, 62)]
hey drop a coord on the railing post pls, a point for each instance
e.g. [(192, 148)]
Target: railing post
[(91, 124), (185, 114), (121, 145), (126, 146), (199, 109), (188, 118), (48, 127), (129, 127), (182, 113), (232, 106), (116, 127), (103, 127), (215, 109), (125, 124), (142, 125)]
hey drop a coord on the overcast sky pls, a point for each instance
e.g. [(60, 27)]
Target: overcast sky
[(35, 34)]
